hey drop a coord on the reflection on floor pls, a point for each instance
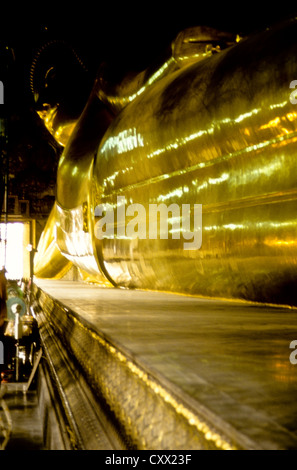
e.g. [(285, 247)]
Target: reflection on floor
[(19, 414)]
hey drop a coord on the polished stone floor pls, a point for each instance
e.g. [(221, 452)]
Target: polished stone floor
[(232, 357)]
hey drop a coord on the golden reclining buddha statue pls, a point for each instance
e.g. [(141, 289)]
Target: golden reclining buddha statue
[(213, 127)]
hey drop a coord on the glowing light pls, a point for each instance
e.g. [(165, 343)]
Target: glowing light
[(273, 123), (126, 140), (176, 193), (278, 105), (220, 179), (291, 116), (241, 117), (283, 243), (14, 250)]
